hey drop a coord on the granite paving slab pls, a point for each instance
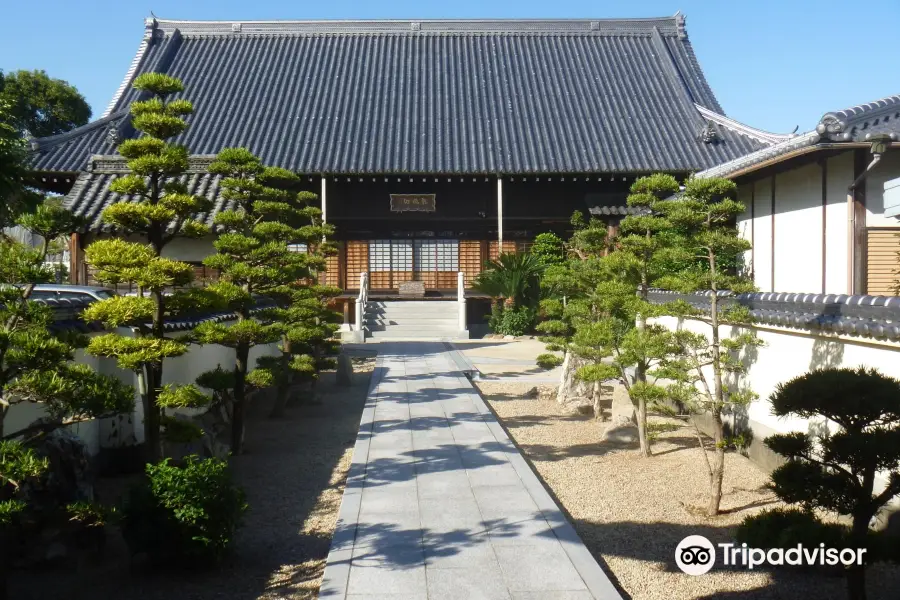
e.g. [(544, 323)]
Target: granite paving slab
[(440, 504)]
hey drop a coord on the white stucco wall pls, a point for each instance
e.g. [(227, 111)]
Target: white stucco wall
[(798, 230), (762, 233), (189, 250), (790, 353), (839, 177), (128, 429), (798, 223)]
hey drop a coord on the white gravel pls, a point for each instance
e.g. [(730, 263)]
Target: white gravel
[(632, 512)]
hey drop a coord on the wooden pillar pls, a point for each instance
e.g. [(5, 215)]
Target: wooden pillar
[(500, 212), (772, 250), (324, 197), (73, 258), (856, 231)]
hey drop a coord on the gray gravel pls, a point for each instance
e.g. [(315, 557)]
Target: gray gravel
[(632, 512), (294, 472)]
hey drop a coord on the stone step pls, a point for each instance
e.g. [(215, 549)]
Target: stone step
[(421, 322), (392, 335), (409, 329)]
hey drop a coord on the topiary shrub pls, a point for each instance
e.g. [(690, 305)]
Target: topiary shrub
[(183, 514), (516, 321), (548, 361), (787, 527)]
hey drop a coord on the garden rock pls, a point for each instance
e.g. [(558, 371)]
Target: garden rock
[(622, 407), (344, 373), (622, 428), (579, 405), (620, 431)]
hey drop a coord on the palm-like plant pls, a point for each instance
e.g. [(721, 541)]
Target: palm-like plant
[(514, 278)]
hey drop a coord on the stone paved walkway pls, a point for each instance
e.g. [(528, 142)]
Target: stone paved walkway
[(440, 505)]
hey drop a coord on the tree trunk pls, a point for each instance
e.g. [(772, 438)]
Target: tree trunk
[(856, 582), (284, 383), (242, 353), (641, 415), (717, 470), (718, 464), (283, 388), (856, 574), (152, 415)]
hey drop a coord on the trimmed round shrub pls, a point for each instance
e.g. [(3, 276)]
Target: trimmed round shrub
[(183, 514), (548, 361), (787, 527), (516, 321)]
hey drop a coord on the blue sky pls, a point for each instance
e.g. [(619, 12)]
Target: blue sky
[(772, 64)]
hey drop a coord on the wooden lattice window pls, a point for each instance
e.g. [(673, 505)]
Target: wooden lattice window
[(470, 259), (437, 255), (508, 247), (882, 262), (357, 262)]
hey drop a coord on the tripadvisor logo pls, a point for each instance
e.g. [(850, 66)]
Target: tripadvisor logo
[(696, 555)]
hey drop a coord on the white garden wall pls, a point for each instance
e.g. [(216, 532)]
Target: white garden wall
[(128, 429), (788, 353)]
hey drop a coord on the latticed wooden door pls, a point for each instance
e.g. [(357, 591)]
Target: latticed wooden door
[(390, 263), (436, 263)]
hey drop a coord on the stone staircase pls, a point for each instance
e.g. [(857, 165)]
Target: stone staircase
[(413, 319)]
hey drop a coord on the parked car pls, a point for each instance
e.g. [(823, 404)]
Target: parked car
[(47, 291)]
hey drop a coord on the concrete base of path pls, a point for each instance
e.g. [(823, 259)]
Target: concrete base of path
[(439, 503)]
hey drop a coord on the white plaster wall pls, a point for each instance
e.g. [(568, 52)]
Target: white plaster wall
[(189, 250), (788, 354), (798, 226), (745, 223), (798, 230), (185, 369), (839, 178), (762, 234), (128, 429), (889, 168)]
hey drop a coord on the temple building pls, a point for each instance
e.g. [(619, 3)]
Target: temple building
[(433, 145)]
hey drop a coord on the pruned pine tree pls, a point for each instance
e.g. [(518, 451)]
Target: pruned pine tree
[(707, 368), (160, 210), (618, 339), (254, 258), (307, 344), (37, 366), (835, 467), (566, 289)]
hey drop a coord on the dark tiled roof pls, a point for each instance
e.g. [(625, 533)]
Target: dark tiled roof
[(866, 316), (856, 124), (439, 96), (90, 194), (860, 123), (69, 152)]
